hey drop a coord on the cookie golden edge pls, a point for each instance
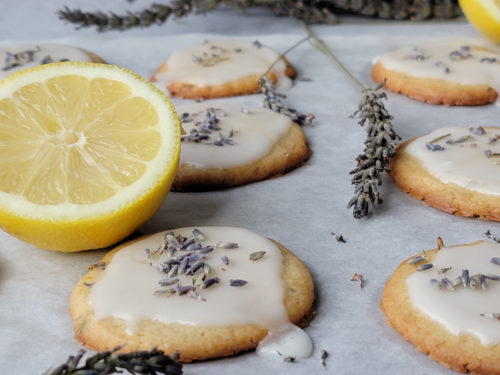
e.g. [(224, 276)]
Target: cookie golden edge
[(433, 91), (244, 86), (412, 178), (193, 343), (463, 353), (290, 152), (95, 58)]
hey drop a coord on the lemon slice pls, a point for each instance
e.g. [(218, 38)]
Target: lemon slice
[(484, 15), (87, 154)]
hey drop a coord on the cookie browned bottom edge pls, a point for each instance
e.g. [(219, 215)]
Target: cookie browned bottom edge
[(194, 343), (412, 178), (95, 58), (433, 91), (288, 153), (243, 86), (463, 353)]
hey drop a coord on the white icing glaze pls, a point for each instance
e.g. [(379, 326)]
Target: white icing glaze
[(287, 341), (31, 55), (437, 59), (255, 133), (464, 164), (228, 65), (459, 310), (121, 295)]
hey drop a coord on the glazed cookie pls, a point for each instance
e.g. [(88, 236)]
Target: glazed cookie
[(447, 303), (22, 57), (206, 293), (219, 69), (227, 145), (453, 169), (444, 72)]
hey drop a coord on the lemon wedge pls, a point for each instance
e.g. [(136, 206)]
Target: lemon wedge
[(484, 15), (87, 154)]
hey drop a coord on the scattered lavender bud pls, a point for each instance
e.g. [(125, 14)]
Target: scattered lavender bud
[(478, 130), (492, 277), (424, 267), (491, 315), (324, 355), (164, 292), (443, 270), (447, 284), (209, 282), (339, 237), (198, 234), (465, 278), (173, 271), (417, 259), (237, 282), (434, 147), (205, 250), (169, 281), (495, 260), (482, 281), (436, 283), (457, 282), (256, 255), (181, 290), (229, 245)]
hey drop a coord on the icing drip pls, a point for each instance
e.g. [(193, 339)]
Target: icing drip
[(471, 61), (259, 301), (466, 157), (219, 62), (286, 341), (22, 57), (254, 133), (459, 311)]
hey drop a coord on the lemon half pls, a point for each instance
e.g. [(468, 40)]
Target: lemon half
[(87, 154), (484, 15)]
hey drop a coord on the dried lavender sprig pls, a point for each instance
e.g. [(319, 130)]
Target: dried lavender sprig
[(311, 11), (380, 144), (380, 147), (273, 100), (150, 362), (154, 14)]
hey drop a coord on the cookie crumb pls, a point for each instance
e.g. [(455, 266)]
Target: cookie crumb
[(358, 277)]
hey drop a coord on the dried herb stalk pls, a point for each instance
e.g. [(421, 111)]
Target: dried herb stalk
[(152, 362), (311, 11), (380, 143)]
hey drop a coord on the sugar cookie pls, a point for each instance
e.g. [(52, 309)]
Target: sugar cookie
[(447, 303), (219, 69), (453, 169), (20, 57), (227, 145), (443, 72), (205, 292)]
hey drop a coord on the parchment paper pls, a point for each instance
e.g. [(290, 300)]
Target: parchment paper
[(300, 209)]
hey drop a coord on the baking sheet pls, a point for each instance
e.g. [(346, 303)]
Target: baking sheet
[(300, 209)]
